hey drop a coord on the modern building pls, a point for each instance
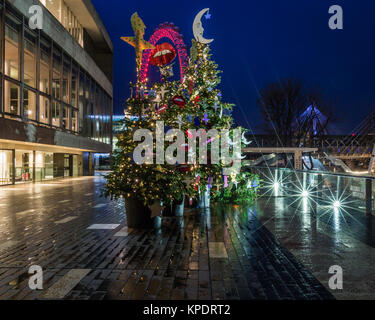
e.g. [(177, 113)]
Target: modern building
[(56, 90), (103, 161)]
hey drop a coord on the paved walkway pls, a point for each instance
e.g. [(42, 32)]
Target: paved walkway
[(82, 243)]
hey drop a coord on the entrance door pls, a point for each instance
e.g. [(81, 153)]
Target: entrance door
[(6, 167), (67, 165)]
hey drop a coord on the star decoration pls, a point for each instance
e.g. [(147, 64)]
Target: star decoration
[(207, 15), (205, 119), (163, 91), (157, 99), (137, 41)]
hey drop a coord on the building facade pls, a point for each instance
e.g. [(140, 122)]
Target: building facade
[(56, 90)]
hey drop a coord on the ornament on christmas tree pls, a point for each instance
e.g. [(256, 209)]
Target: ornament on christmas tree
[(198, 28), (167, 71), (178, 100), (163, 91), (162, 109), (244, 140), (179, 122), (206, 119), (137, 41), (225, 181), (162, 55), (197, 122)]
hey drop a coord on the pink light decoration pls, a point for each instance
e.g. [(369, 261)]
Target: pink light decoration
[(225, 181), (170, 31)]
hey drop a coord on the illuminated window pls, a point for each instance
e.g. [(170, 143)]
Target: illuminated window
[(29, 104), (55, 114), (12, 60), (56, 78), (66, 118), (6, 167), (74, 86), (66, 17), (11, 98), (45, 60), (44, 104), (74, 120), (30, 59), (65, 81)]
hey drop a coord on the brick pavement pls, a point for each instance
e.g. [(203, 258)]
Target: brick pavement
[(223, 253)]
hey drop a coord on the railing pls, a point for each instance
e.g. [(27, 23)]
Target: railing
[(349, 191)]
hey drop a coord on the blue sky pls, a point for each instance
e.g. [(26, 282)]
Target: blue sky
[(257, 42)]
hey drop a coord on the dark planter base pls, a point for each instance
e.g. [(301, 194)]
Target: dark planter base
[(175, 210), (138, 215)]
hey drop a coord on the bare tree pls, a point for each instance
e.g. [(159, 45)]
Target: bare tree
[(293, 113)]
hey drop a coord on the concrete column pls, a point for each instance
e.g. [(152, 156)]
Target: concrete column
[(371, 166), (298, 160), (368, 197), (34, 166)]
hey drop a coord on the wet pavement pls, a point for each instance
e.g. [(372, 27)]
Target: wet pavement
[(266, 251)]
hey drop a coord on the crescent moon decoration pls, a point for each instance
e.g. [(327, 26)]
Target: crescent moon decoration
[(244, 140), (198, 28)]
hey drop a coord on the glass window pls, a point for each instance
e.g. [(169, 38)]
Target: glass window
[(12, 57), (74, 120), (56, 114), (54, 6), (66, 118), (45, 61), (6, 167), (74, 85), (11, 98), (82, 103), (43, 166), (30, 52), (24, 166), (29, 104), (65, 82), (44, 109), (56, 79)]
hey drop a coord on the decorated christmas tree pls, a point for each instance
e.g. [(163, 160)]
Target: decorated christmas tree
[(179, 139)]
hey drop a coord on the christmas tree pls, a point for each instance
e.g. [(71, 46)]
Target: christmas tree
[(159, 159)]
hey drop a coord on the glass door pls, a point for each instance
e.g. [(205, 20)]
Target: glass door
[(6, 167)]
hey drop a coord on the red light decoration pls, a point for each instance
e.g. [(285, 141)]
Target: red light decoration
[(178, 100), (162, 109), (169, 31), (162, 55)]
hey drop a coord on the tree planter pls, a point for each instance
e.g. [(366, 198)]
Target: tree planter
[(204, 199), (138, 215), (175, 210)]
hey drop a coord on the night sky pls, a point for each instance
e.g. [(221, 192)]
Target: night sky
[(257, 42)]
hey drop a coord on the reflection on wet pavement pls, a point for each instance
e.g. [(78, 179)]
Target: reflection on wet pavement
[(322, 239), (87, 252)]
